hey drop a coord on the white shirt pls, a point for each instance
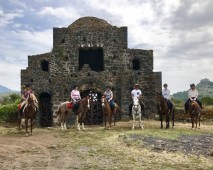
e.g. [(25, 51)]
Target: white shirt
[(166, 94), (136, 93), (108, 94), (193, 93)]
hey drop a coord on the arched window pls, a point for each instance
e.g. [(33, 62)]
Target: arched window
[(136, 64), (44, 65)]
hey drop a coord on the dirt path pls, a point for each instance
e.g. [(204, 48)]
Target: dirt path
[(97, 148)]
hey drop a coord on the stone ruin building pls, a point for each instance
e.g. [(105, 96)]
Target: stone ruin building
[(91, 53)]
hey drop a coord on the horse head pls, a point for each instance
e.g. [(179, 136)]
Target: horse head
[(103, 101), (136, 103)]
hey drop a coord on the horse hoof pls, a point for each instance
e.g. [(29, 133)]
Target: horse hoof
[(142, 127)]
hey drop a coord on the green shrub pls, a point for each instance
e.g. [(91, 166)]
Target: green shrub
[(9, 112), (207, 101)]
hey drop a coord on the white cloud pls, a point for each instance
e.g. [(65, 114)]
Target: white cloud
[(180, 33)]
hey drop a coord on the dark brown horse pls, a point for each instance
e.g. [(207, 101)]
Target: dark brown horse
[(108, 112), (84, 107), (163, 110), (195, 113), (29, 112)]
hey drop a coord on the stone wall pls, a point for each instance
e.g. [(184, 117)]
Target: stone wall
[(63, 72)]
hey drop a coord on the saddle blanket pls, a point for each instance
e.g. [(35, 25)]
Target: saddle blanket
[(69, 105)]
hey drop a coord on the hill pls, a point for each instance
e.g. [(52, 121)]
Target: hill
[(4, 89), (205, 89)]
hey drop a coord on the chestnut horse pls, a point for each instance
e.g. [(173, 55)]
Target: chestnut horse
[(29, 112), (108, 112), (84, 107), (136, 112), (163, 110), (63, 112), (195, 113)]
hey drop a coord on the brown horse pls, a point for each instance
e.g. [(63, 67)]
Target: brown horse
[(64, 111), (108, 112), (195, 113), (84, 107), (163, 110), (29, 112)]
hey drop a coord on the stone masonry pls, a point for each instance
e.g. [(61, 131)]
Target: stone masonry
[(52, 75)]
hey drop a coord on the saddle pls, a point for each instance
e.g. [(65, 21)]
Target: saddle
[(69, 105)]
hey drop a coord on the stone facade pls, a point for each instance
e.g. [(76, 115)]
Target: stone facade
[(110, 62)]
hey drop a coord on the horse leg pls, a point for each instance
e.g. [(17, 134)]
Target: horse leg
[(161, 121), (199, 120), (173, 118), (83, 118), (78, 122), (192, 119), (19, 124), (133, 123), (105, 115), (31, 126), (114, 112), (167, 121), (26, 126), (64, 125), (110, 120), (140, 122)]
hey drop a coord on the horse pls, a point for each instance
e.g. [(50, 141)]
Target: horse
[(163, 110), (195, 113), (108, 112), (136, 112), (84, 107), (29, 112), (63, 112)]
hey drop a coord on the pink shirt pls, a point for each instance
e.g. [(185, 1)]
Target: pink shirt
[(75, 95)]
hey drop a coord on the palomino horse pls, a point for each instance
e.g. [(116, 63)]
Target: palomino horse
[(84, 106), (136, 112), (163, 110), (64, 110), (195, 113), (29, 112), (108, 112)]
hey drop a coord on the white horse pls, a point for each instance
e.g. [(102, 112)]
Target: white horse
[(136, 112)]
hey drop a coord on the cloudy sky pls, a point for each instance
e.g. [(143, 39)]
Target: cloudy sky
[(180, 32)]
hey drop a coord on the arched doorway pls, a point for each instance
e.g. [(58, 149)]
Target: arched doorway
[(45, 108), (94, 116)]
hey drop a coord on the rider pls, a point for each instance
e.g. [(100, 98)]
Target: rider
[(75, 97), (109, 96), (24, 95), (192, 96), (136, 92), (166, 95)]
